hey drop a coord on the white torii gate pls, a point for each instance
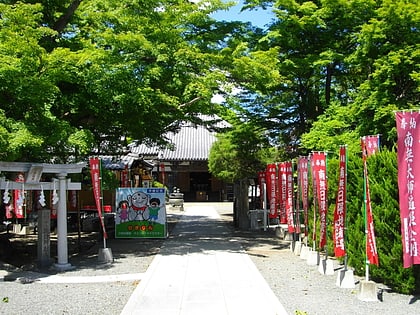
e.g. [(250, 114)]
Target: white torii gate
[(33, 173)]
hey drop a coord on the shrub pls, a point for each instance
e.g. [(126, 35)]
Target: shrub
[(383, 184)]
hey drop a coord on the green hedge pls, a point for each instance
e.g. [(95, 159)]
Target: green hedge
[(382, 173)]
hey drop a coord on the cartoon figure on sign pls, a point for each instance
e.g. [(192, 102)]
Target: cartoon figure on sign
[(123, 210), (154, 209), (139, 204)]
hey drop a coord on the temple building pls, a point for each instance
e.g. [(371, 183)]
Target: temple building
[(183, 165)]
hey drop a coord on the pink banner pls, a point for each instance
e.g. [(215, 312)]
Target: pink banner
[(371, 144), (282, 184), (408, 181), (303, 188), (371, 251), (270, 178), (320, 172), (340, 206), (289, 196), (314, 193), (95, 168)]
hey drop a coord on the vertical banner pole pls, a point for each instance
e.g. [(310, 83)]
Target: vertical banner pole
[(297, 203), (345, 207), (370, 144), (305, 184), (365, 218), (102, 203), (365, 210), (326, 205), (264, 206), (96, 174), (314, 192)]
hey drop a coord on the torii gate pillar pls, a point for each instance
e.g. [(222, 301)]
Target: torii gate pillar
[(62, 249)]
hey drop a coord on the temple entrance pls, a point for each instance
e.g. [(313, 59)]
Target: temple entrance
[(200, 185)]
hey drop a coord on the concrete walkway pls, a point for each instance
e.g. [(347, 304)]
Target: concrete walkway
[(201, 271)]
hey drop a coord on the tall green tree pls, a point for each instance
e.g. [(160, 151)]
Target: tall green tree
[(239, 153), (235, 157), (386, 65), (81, 76), (388, 55), (298, 68)]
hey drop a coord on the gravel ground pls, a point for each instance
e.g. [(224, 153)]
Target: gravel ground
[(299, 287), (302, 288)]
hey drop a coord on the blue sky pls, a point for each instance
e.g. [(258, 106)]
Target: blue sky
[(257, 17)]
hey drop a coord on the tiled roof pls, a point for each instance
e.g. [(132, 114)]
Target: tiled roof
[(111, 163), (191, 143), (120, 163)]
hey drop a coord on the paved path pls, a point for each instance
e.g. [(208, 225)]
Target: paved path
[(201, 271)]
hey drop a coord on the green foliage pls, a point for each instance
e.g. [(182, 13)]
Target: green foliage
[(238, 153), (332, 129), (78, 77), (382, 74), (109, 180), (384, 196), (382, 173)]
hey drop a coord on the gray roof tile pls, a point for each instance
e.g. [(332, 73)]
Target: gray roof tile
[(191, 143)]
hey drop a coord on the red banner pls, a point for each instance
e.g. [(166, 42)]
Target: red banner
[(96, 186), (303, 184), (19, 199), (270, 179), (371, 251), (320, 172), (340, 206), (408, 180), (282, 193), (124, 177), (162, 172)]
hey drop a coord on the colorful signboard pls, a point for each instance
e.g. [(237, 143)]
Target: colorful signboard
[(140, 213)]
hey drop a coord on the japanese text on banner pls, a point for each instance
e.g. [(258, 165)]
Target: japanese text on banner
[(340, 206), (408, 181), (320, 172)]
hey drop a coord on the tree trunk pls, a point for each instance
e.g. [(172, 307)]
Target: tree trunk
[(328, 80), (66, 17), (241, 205)]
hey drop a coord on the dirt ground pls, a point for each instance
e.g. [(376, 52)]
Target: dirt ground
[(21, 251)]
